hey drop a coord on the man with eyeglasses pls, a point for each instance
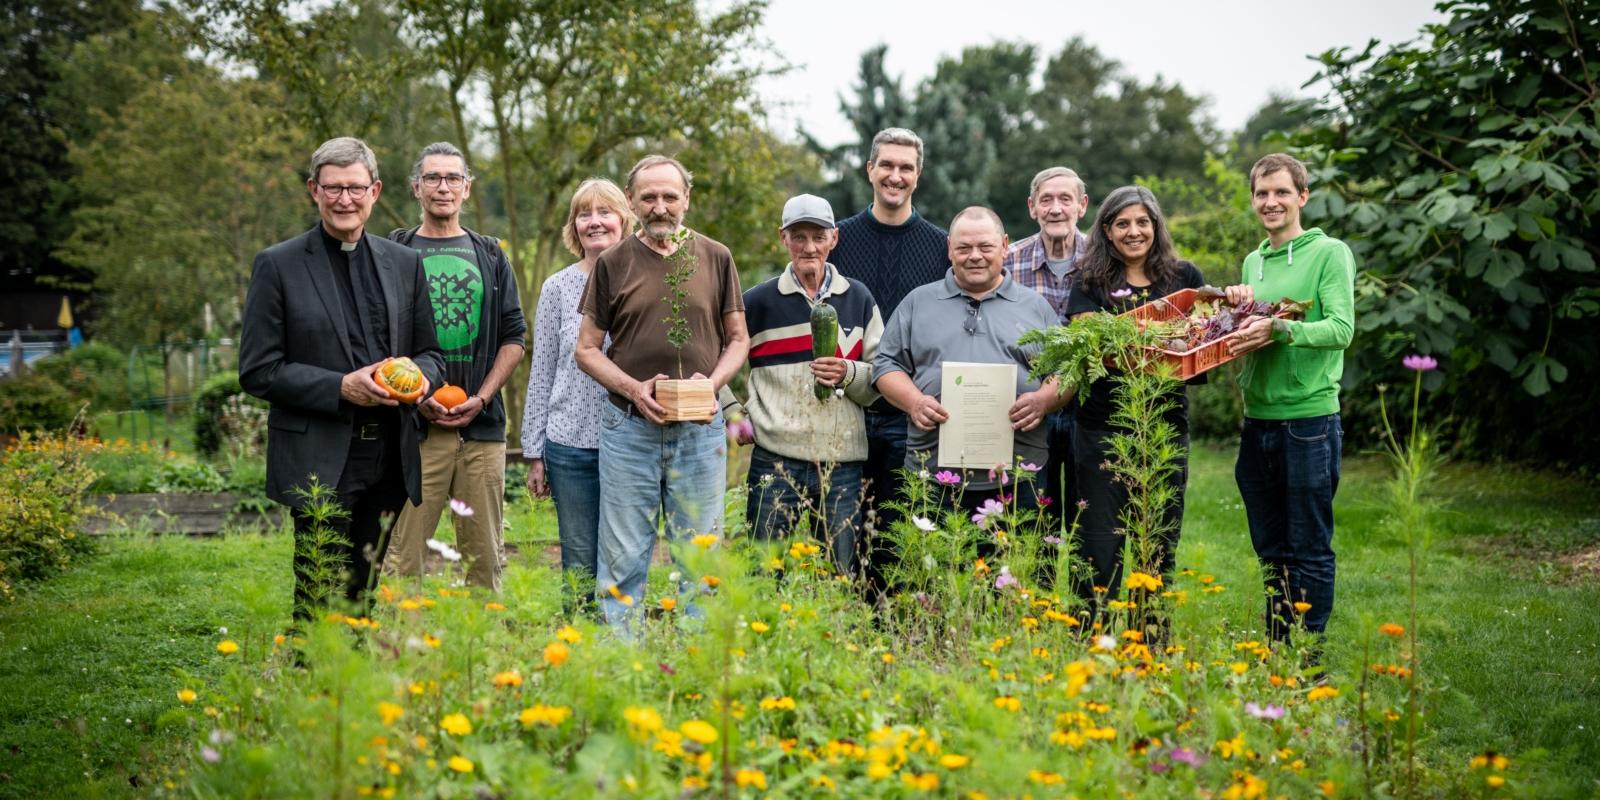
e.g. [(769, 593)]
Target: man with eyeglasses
[(976, 314), (323, 310), (479, 323)]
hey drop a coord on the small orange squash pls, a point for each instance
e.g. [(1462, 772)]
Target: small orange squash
[(450, 396), (401, 378)]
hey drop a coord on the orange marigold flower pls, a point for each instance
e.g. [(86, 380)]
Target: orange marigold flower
[(556, 654), (1391, 629)]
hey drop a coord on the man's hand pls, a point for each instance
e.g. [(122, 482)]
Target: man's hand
[(643, 396), (459, 417), (829, 370), (1031, 409), (360, 389), (536, 484), (1252, 337), (927, 413), (1241, 294)]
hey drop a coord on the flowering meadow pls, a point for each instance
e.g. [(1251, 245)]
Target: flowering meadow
[(769, 675)]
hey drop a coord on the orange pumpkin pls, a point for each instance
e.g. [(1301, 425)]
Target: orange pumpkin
[(450, 396), (401, 378)]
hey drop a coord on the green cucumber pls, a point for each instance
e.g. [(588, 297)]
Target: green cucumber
[(824, 340)]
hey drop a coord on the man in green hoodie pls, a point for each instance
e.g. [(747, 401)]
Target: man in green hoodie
[(1288, 467)]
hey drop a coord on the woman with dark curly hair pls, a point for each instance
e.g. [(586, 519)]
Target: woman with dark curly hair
[(1130, 261)]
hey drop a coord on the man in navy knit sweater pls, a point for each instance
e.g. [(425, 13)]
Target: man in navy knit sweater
[(891, 249)]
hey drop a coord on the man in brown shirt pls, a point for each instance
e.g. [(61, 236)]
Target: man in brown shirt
[(650, 467)]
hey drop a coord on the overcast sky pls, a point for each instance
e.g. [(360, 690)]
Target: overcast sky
[(1234, 53)]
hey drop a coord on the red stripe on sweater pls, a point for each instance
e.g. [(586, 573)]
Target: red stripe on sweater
[(778, 347)]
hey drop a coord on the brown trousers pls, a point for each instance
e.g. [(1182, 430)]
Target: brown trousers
[(470, 471)]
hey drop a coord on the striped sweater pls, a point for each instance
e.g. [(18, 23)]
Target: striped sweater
[(789, 419)]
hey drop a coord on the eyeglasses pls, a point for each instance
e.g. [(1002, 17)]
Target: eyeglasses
[(355, 192), (974, 316), (453, 181)]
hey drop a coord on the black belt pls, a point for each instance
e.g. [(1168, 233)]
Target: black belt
[(367, 431)]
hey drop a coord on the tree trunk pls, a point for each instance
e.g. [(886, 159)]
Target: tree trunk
[(516, 388), (464, 141)]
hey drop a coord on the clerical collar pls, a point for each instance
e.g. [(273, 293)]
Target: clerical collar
[(348, 247)]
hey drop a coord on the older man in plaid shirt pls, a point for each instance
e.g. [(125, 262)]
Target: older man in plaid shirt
[(1046, 262)]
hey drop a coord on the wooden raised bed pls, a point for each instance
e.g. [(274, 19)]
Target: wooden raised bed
[(194, 513)]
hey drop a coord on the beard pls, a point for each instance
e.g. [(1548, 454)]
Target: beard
[(660, 227)]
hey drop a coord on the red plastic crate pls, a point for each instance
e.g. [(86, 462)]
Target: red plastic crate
[(1188, 363)]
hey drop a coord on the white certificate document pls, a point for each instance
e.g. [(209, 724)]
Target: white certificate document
[(978, 397)]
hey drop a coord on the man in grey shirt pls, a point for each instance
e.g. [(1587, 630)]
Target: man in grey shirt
[(976, 314)]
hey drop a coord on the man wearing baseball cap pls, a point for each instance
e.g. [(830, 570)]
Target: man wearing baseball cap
[(810, 442)]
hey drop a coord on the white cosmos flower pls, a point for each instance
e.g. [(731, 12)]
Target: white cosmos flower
[(1106, 643), (461, 509), (924, 524), (445, 551)]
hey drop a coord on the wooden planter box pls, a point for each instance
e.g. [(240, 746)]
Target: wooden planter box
[(689, 400), (195, 513)]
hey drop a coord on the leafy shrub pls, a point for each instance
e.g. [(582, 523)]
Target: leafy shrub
[(94, 372), (224, 415), (35, 402), (126, 468), (1216, 407), (43, 484), (181, 476)]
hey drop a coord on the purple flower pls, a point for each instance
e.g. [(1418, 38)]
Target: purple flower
[(1052, 540), (1268, 711), (1420, 363), (999, 472), (1005, 579), (1159, 767), (947, 477), (1121, 293), (1044, 502), (989, 507), (461, 508), (1083, 505), (1184, 755), (1031, 467), (741, 429)]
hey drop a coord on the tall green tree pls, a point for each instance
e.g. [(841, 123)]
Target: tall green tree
[(185, 179), (1462, 169), (35, 38)]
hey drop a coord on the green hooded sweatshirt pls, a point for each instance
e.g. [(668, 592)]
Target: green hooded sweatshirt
[(1298, 375)]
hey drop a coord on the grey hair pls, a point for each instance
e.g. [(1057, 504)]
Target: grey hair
[(1052, 173), (656, 160), (342, 152), (439, 149), (900, 136), (979, 212)]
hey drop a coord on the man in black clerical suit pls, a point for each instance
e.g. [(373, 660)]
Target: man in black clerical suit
[(323, 310)]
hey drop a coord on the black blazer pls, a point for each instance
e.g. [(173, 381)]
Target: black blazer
[(295, 350)]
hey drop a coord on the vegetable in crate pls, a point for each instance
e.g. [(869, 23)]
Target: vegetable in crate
[(1213, 317), (824, 341)]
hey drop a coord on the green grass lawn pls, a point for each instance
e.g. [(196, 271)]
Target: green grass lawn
[(90, 662)]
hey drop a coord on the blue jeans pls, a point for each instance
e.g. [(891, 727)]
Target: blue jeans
[(574, 477), (1288, 472), (648, 472), (784, 491)]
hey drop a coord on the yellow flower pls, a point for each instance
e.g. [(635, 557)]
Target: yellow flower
[(777, 704), (824, 782), (888, 658), (616, 594), (431, 640), (456, 724), (1046, 778), (509, 678), (643, 720), (699, 730), (704, 540), (760, 627), (460, 764), (569, 634), (556, 654), (668, 603), (1229, 748), (493, 606), (186, 696), (1302, 606), (1391, 629), (711, 581), (1239, 667), (389, 712), (1321, 692), (548, 716), (1495, 781), (694, 783), (953, 761), (750, 777), (227, 647), (924, 782), (1141, 580), (1008, 703)]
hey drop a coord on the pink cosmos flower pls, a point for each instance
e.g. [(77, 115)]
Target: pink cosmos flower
[(1420, 363), (1052, 540), (1268, 711), (1121, 293), (1031, 467), (947, 478), (461, 508), (1005, 579), (990, 507)]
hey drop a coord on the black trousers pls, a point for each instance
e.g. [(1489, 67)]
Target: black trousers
[(880, 484), (371, 492), (1100, 535)]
